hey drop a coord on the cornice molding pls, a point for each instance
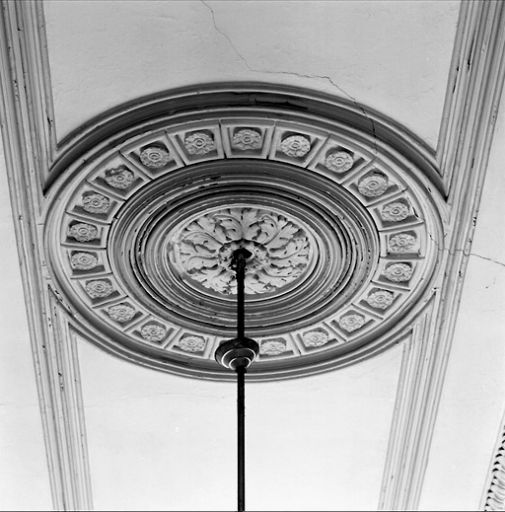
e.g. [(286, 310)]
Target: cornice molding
[(28, 135), (466, 135)]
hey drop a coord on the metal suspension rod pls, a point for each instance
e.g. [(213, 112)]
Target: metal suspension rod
[(240, 264), (237, 354), (239, 260), (240, 439)]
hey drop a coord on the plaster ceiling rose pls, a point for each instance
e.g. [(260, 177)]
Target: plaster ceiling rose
[(343, 228)]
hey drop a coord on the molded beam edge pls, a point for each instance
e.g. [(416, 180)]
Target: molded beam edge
[(28, 133), (472, 101)]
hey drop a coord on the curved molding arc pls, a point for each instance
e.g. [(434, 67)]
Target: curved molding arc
[(362, 208), (382, 130)]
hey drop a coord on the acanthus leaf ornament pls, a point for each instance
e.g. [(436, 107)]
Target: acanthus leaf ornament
[(280, 249), (322, 245)]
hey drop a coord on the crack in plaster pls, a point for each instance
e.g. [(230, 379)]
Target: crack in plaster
[(501, 263), (467, 253), (358, 105)]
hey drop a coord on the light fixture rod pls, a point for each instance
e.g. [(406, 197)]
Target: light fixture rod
[(240, 439), (237, 354), (239, 264)]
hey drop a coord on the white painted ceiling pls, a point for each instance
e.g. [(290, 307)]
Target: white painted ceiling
[(161, 442), (392, 56)]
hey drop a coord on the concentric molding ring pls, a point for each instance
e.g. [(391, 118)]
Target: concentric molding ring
[(336, 225), (345, 239)]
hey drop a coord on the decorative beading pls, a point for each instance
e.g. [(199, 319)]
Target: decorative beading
[(402, 242), (395, 212), (295, 146), (494, 497), (192, 344), (83, 261), (120, 178), (153, 332), (351, 322), (199, 143), (95, 203), (380, 299), (83, 232), (280, 249), (121, 313), (339, 161), (247, 139), (98, 288), (315, 338), (398, 272), (273, 347), (373, 185), (154, 157)]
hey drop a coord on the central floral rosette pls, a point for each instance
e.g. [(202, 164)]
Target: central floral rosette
[(280, 249)]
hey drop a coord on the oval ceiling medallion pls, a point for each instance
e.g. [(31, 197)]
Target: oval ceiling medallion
[(344, 234)]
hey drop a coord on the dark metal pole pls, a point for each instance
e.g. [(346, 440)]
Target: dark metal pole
[(240, 264), (241, 439)]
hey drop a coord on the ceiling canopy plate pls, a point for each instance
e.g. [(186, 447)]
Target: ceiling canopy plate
[(343, 228)]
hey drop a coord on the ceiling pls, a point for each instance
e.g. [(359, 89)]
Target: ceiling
[(417, 426)]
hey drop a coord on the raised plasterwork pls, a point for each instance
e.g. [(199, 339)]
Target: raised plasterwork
[(380, 299), (154, 157), (395, 211), (339, 161), (279, 247), (343, 241), (82, 232), (412, 429), (247, 139), (494, 497), (121, 177), (295, 145), (199, 143)]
